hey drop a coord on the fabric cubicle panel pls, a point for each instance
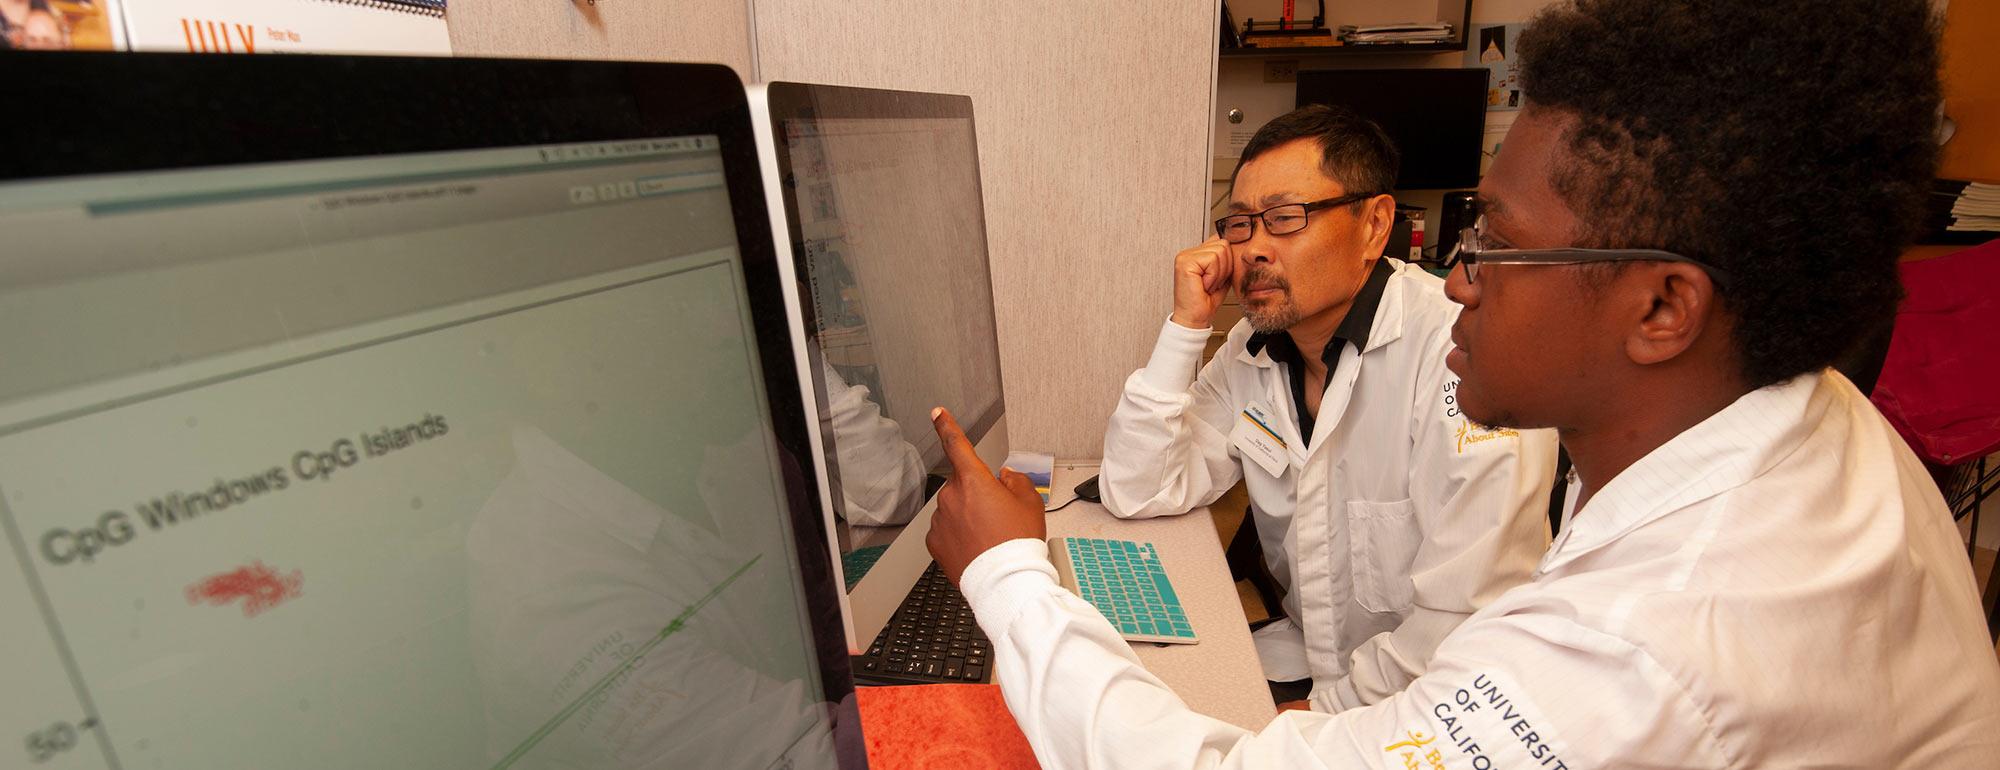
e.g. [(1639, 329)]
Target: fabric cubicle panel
[(1093, 137), (650, 30)]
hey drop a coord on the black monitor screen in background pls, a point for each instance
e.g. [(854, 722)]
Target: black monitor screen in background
[(1436, 116)]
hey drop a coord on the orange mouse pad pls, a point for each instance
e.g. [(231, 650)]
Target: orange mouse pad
[(940, 726)]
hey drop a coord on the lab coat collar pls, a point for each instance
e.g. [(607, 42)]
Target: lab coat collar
[(1718, 454)]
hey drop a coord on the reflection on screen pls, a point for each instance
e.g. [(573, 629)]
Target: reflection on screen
[(892, 229), (443, 461)]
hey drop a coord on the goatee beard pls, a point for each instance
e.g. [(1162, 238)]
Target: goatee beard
[(1271, 319), (1274, 320)]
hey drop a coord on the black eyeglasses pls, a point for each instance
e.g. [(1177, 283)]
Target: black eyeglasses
[(1471, 251), (1283, 219)]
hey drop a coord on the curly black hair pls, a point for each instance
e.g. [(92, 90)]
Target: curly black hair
[(1787, 142), (1354, 150)]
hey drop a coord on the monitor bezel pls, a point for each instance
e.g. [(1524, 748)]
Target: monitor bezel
[(106, 113), (787, 101)]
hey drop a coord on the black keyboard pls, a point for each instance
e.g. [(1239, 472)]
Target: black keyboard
[(931, 639)]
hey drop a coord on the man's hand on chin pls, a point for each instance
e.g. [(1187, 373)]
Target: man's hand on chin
[(975, 510)]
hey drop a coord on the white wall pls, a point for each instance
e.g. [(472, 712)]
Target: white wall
[(646, 30), (1092, 121)]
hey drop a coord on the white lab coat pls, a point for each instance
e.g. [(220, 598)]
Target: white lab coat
[(881, 474), (1778, 586), (1402, 520)]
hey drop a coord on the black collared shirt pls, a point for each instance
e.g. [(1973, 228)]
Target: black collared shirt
[(1353, 328)]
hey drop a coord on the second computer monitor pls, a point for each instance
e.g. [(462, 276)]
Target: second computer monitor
[(883, 211)]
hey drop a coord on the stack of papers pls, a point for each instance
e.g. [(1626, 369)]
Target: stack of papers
[(1977, 209), (1404, 32), (1962, 212)]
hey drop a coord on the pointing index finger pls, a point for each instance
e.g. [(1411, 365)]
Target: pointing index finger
[(964, 460)]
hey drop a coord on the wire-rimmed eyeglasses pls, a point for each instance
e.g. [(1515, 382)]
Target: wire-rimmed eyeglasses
[(1471, 251)]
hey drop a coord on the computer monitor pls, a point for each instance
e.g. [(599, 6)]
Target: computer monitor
[(876, 193), (1436, 116), (373, 412)]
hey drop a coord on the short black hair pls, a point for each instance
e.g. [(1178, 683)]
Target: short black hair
[(1788, 142), (1354, 151)]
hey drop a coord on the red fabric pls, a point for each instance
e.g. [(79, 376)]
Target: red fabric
[(1940, 385), (941, 727)]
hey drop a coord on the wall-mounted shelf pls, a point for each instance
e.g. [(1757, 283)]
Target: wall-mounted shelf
[(1301, 52), (1457, 12)]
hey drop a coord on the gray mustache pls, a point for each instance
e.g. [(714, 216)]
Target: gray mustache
[(1262, 277)]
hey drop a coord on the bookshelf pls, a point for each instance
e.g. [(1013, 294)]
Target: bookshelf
[(1456, 12), (1307, 52)]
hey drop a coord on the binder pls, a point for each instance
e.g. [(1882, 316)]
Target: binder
[(431, 8)]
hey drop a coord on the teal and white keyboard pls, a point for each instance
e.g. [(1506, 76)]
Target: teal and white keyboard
[(855, 564), (1125, 581)]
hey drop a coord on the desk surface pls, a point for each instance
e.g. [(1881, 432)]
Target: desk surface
[(1220, 676)]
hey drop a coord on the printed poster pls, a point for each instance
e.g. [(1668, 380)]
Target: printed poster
[(1493, 49), (407, 27)]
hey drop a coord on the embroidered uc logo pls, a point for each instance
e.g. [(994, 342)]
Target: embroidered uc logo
[(1416, 751)]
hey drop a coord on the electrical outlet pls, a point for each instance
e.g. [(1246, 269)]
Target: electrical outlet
[(1281, 71)]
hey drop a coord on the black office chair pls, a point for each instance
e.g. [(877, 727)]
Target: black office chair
[(1245, 556), (1559, 491)]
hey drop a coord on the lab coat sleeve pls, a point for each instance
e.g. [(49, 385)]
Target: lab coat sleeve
[(1530, 691), (1479, 498), (881, 474), (1166, 450)]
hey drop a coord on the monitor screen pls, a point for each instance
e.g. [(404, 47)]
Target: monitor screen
[(456, 459), (1437, 117), (888, 229)]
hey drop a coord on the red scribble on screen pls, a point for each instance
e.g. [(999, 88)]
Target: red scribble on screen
[(261, 588)]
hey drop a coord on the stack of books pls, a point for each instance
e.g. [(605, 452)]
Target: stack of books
[(1963, 212), (1322, 40), (1405, 33), (1284, 33)]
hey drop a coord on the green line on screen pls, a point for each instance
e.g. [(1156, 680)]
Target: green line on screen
[(671, 628)]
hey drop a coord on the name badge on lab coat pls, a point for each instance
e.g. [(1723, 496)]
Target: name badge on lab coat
[(1255, 438)]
